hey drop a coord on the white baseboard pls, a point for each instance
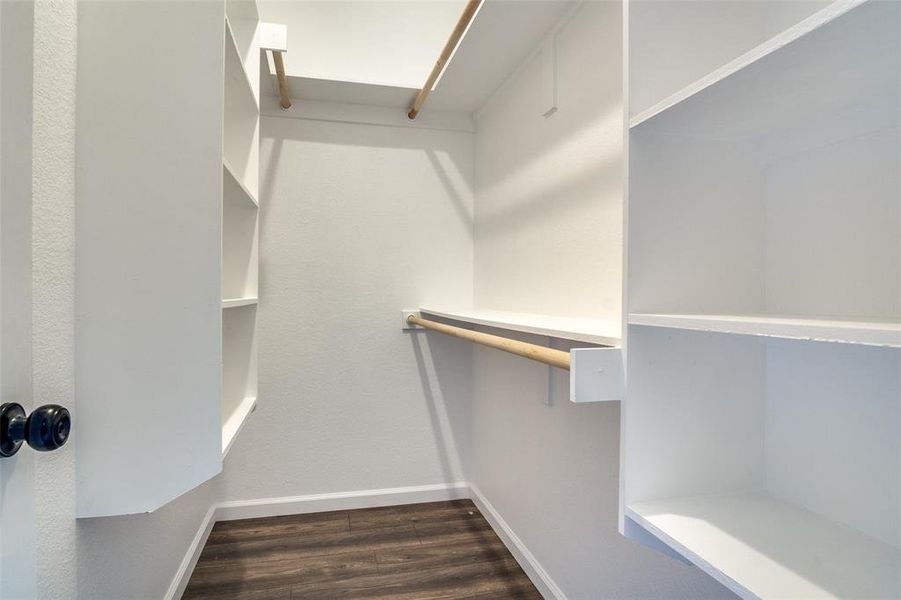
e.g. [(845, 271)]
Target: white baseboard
[(313, 503), (540, 578), (295, 505), (180, 581)]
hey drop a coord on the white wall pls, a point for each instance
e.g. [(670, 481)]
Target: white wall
[(17, 538), (372, 41), (357, 222), (548, 238), (549, 206)]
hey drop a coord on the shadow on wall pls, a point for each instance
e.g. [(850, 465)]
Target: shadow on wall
[(449, 398)]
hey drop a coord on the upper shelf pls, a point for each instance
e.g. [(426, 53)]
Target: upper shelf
[(508, 32), (592, 331), (887, 334), (238, 87), (845, 52)]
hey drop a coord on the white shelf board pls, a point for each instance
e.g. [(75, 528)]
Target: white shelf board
[(887, 334), (236, 302), (235, 422), (813, 22), (762, 548), (508, 32), (233, 187), (235, 71), (592, 331)]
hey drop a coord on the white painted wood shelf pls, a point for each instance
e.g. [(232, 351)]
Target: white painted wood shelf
[(845, 331), (760, 547), (762, 216), (235, 422), (235, 72), (238, 302), (240, 218), (592, 331), (508, 32), (234, 189), (759, 53)]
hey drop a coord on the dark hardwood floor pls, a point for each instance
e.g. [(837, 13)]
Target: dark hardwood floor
[(415, 552)]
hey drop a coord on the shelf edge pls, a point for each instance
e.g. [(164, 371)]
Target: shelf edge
[(886, 335), (565, 334), (251, 198), (236, 302)]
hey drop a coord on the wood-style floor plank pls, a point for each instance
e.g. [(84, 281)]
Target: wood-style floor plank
[(419, 551)]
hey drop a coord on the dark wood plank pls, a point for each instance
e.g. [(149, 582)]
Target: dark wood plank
[(274, 527), (460, 581), (282, 593), (234, 575), (411, 514), (317, 544), (420, 551), (433, 556)]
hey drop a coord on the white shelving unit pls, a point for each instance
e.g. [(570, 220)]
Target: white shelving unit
[(167, 237), (763, 400), (240, 218)]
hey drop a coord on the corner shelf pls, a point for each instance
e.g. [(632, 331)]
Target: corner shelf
[(238, 302), (813, 22), (234, 189), (235, 423), (591, 331), (844, 331), (234, 68), (239, 281), (760, 547)]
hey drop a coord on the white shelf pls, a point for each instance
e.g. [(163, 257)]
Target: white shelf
[(234, 188), (236, 302), (832, 329), (763, 548), (508, 32), (815, 21), (236, 73), (235, 422), (592, 331)]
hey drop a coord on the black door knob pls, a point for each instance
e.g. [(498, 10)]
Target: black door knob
[(46, 428)]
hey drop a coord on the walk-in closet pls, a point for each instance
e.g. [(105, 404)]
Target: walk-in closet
[(433, 299)]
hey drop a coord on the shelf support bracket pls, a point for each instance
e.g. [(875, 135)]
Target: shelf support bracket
[(596, 374)]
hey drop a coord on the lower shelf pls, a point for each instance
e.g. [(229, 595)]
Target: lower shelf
[(763, 548), (233, 424)]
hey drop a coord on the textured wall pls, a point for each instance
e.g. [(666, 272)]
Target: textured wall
[(357, 222), (548, 239), (53, 284)]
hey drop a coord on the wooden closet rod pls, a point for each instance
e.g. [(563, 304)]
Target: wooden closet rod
[(465, 19), (284, 97), (548, 356)]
